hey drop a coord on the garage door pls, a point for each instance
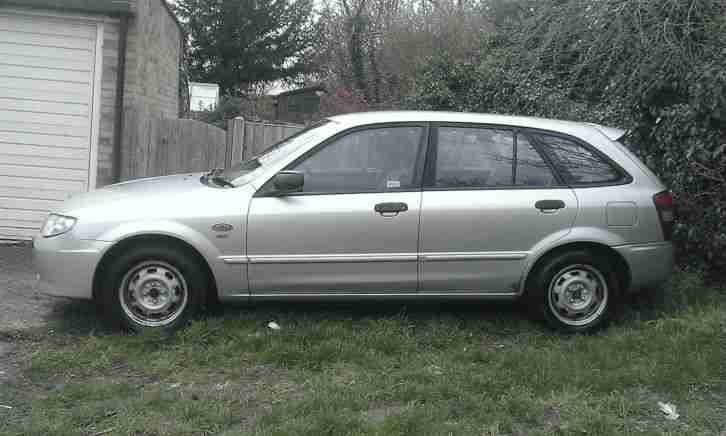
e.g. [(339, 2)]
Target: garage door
[(46, 95)]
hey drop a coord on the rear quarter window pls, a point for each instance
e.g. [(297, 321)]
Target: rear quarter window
[(576, 163), (629, 150)]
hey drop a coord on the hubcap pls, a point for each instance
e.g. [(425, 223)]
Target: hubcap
[(578, 295), (153, 293)]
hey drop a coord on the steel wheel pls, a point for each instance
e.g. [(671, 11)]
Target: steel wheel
[(578, 295), (153, 293)]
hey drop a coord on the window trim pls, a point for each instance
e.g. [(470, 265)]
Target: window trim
[(515, 151), (430, 167), (422, 152), (559, 180), (624, 179), (545, 157)]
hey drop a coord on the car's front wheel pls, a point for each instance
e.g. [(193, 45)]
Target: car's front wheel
[(575, 291), (153, 288)]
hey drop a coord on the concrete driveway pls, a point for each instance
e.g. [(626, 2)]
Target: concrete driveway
[(20, 305)]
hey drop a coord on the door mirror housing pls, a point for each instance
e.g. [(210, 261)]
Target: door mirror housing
[(286, 182)]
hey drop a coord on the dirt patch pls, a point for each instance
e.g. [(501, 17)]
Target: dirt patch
[(21, 305), (257, 390), (377, 415), (8, 365), (552, 420)]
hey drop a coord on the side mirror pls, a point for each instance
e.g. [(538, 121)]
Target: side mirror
[(286, 182)]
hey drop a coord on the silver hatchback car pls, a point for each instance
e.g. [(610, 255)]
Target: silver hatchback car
[(387, 205)]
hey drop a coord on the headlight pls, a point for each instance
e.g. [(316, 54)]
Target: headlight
[(57, 225)]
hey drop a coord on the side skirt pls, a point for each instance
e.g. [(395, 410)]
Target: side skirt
[(444, 296)]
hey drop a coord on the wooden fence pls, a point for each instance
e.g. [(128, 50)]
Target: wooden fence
[(153, 146), (248, 138)]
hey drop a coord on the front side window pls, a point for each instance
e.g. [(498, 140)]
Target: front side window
[(247, 170), (372, 160), (576, 163)]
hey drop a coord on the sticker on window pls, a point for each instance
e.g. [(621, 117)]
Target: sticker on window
[(392, 184)]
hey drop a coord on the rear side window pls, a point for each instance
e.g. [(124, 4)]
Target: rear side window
[(576, 163), (531, 169), (472, 157)]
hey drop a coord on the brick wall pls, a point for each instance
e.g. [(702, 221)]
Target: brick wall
[(104, 175), (152, 60), (151, 85)]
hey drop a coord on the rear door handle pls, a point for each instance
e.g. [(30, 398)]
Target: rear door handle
[(391, 208), (549, 205)]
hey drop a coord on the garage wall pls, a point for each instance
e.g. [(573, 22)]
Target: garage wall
[(48, 144), (152, 60), (108, 103), (151, 85), (47, 77)]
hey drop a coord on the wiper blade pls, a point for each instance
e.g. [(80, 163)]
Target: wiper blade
[(213, 172), (216, 178), (221, 181)]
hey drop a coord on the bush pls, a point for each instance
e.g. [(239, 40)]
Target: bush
[(657, 67), (251, 107), (227, 108), (342, 101)]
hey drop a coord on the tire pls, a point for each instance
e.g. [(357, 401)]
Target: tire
[(153, 288), (574, 291)]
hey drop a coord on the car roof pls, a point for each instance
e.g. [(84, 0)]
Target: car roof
[(568, 127)]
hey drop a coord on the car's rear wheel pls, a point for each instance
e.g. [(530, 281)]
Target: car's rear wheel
[(153, 288), (574, 291)]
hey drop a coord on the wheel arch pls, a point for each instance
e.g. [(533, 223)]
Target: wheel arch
[(153, 239), (622, 269)]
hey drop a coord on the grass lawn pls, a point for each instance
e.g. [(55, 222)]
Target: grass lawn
[(429, 369)]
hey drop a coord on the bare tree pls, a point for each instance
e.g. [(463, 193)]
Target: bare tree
[(375, 46)]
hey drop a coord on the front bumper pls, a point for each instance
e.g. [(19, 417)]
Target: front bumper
[(650, 264), (66, 264)]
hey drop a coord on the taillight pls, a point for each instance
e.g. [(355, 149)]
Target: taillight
[(666, 213)]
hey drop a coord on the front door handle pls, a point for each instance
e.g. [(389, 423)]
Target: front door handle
[(549, 205), (391, 208)]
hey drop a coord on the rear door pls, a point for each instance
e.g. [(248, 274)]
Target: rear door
[(489, 198)]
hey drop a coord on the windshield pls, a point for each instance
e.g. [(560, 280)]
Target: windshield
[(247, 170)]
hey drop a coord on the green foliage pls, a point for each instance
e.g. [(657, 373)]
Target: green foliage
[(227, 108), (250, 107), (357, 53), (656, 66), (239, 43)]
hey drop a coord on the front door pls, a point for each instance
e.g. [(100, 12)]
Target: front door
[(354, 228), (488, 200)]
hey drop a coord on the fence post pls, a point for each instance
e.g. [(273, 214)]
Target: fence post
[(127, 145), (228, 144), (235, 151)]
